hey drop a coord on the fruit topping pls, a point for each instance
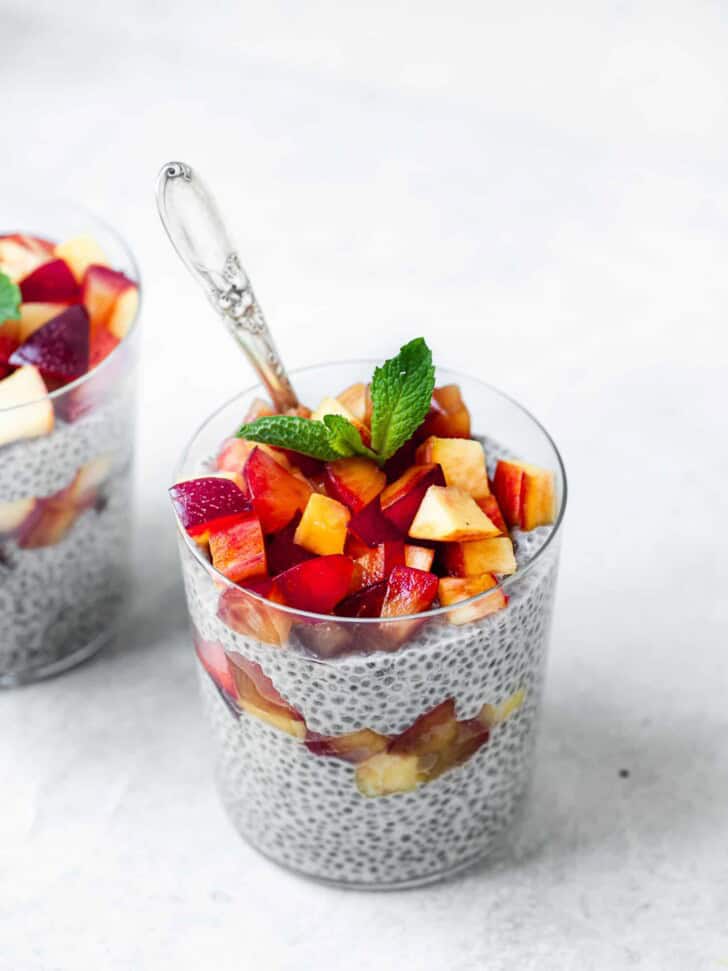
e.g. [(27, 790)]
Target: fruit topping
[(322, 528), (51, 282), (409, 591), (448, 514), (204, 504), (401, 500), (24, 387), (59, 349), (276, 493), (452, 590), (237, 547), (317, 585), (354, 481), (462, 461), (494, 555), (371, 527)]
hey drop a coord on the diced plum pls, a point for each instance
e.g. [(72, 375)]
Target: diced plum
[(448, 416), (20, 255), (354, 481), (51, 282), (277, 494), (401, 500), (283, 553), (247, 615), (326, 639), (317, 585), (370, 526), (202, 504), (8, 345), (419, 557), (103, 343), (34, 315), (489, 505), (238, 548), (60, 349), (431, 733), (365, 603), (214, 661), (101, 289), (378, 563), (354, 747), (409, 591)]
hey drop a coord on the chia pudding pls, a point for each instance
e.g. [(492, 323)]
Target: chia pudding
[(386, 740), (67, 395)]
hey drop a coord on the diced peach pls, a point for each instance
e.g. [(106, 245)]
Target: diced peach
[(358, 402), (100, 290), (385, 774), (454, 589), (34, 315), (332, 406), (401, 500), (489, 505), (20, 255), (245, 614), (13, 514), (418, 557), (24, 387), (525, 493), (431, 733), (354, 481), (448, 416), (493, 555), (448, 514), (123, 313), (352, 747), (322, 529), (258, 697), (462, 461), (277, 494), (238, 548), (492, 715), (79, 253)]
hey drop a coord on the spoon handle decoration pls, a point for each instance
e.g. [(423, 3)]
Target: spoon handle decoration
[(196, 229)]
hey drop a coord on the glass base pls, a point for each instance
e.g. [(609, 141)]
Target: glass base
[(42, 671)]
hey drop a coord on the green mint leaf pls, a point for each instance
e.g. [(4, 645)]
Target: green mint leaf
[(401, 392), (346, 439), (288, 431), (9, 299)]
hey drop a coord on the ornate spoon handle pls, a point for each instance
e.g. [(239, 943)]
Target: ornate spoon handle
[(195, 227)]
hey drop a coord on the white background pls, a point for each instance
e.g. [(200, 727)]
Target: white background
[(540, 189)]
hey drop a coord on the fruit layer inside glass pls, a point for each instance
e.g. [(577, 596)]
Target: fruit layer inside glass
[(66, 438), (363, 748)]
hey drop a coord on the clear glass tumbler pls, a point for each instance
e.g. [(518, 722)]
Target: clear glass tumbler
[(66, 493), (367, 752)]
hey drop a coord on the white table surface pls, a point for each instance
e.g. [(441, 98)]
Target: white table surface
[(543, 195)]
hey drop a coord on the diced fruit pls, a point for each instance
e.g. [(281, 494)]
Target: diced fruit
[(123, 313), (489, 505), (354, 481), (59, 349), (20, 255), (401, 500), (13, 514), (204, 504), (50, 283), (386, 773), (419, 557), (431, 733), (409, 591), (34, 315), (352, 747), (259, 408), (277, 494), (89, 478), (494, 555), (448, 514), (471, 736), (323, 525), (371, 527), (214, 661), (378, 563), (355, 547), (258, 697), (247, 615), (49, 522), (283, 553), (326, 639), (332, 406), (402, 459), (365, 603), (462, 461), (317, 585), (238, 548), (24, 387), (100, 290), (448, 417), (102, 344), (525, 493), (454, 589), (358, 402), (8, 346), (492, 715), (79, 253)]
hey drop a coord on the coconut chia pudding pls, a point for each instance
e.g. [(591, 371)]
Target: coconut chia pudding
[(371, 627), (66, 446)]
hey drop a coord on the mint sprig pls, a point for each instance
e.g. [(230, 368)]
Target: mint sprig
[(401, 391), (10, 299)]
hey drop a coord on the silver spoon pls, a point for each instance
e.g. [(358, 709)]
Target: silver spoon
[(196, 230)]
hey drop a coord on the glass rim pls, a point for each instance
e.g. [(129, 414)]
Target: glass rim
[(503, 584), (98, 368)]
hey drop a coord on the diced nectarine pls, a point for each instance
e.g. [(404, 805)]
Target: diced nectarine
[(418, 557), (283, 552), (454, 589), (238, 548), (258, 408), (212, 657), (20, 255), (364, 603), (79, 253), (378, 563), (409, 591), (357, 401), (401, 500), (49, 522), (100, 290), (123, 313), (431, 733), (13, 514), (462, 461), (385, 774), (24, 387), (247, 615), (352, 747), (354, 481), (34, 315), (448, 514), (489, 505), (318, 584), (493, 555), (332, 406), (257, 696), (371, 527), (525, 493), (323, 525), (448, 416), (88, 480), (205, 503), (277, 494), (492, 715)]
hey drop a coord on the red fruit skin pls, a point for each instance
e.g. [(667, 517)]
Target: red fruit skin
[(424, 731), (402, 459), (317, 585), (354, 481), (409, 591), (401, 500), (60, 349), (246, 615), (378, 563), (238, 549), (277, 495), (100, 289), (354, 747), (326, 639), (50, 283), (508, 489), (489, 505), (213, 659), (371, 527), (260, 683), (283, 553), (201, 502), (365, 603), (310, 467), (7, 346), (103, 343)]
